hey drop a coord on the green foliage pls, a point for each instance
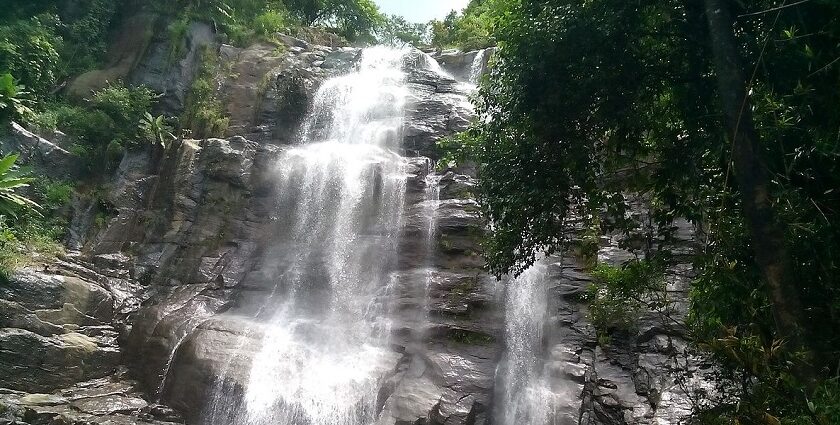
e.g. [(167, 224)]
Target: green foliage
[(12, 181), (471, 29), (102, 127), (156, 130), (204, 114), (356, 20), (588, 101), (178, 37), (125, 105), (55, 194), (85, 33), (29, 51), (618, 294), (271, 22), (395, 30), (13, 102), (242, 21), (45, 42), (35, 236), (456, 149)]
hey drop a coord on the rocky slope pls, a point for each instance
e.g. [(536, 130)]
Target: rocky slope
[(135, 315)]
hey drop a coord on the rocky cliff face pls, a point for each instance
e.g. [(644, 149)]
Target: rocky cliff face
[(137, 317)]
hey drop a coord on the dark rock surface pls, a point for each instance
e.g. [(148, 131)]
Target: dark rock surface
[(172, 76), (59, 352), (48, 155)]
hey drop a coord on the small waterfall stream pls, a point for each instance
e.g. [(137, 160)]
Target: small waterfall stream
[(477, 67), (525, 395)]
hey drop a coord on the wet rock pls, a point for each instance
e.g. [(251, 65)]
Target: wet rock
[(160, 331), (217, 353), (342, 58), (172, 77), (44, 291), (30, 362), (14, 315), (42, 400), (108, 405)]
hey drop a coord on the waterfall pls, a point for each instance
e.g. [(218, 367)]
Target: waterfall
[(431, 203), (477, 67), (322, 304), (526, 397), (341, 197)]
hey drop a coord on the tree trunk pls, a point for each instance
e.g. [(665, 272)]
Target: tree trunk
[(752, 176)]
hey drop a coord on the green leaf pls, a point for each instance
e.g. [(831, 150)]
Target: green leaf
[(7, 163)]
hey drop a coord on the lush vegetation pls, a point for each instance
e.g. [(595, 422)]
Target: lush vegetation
[(469, 29), (29, 231), (723, 113), (243, 21)]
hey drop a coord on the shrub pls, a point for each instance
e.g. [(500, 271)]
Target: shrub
[(125, 105), (618, 294), (35, 236), (178, 38), (271, 22), (101, 128), (54, 193), (204, 113), (13, 102)]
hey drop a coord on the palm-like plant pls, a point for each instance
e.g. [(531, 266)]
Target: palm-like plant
[(13, 101), (10, 181), (156, 129)]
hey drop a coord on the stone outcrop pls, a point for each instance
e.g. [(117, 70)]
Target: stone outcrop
[(47, 155), (60, 357)]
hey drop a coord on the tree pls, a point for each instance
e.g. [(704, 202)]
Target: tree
[(751, 172), (590, 101), (29, 51), (470, 29), (352, 19), (396, 30)]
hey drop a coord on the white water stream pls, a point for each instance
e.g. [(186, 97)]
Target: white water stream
[(342, 191)]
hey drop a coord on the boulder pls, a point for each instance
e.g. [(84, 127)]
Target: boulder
[(35, 363), (48, 156), (65, 299)]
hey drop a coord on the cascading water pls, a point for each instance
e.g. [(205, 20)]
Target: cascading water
[(324, 347), (477, 67), (325, 316), (525, 395)]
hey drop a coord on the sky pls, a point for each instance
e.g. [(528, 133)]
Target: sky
[(420, 10)]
